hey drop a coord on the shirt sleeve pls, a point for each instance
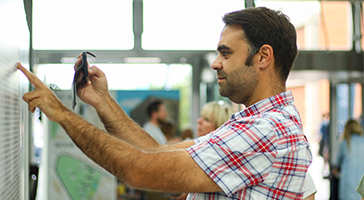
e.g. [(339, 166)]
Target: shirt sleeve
[(236, 156), (202, 138), (309, 186)]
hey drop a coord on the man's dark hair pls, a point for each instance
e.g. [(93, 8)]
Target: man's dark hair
[(265, 26), (154, 107)]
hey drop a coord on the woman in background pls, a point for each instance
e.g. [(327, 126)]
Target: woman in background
[(350, 160), (213, 115)]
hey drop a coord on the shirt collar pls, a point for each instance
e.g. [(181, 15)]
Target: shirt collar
[(284, 98)]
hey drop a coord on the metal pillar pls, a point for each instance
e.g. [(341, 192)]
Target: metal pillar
[(249, 3), (196, 79)]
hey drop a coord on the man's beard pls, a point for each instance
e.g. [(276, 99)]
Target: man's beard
[(162, 121)]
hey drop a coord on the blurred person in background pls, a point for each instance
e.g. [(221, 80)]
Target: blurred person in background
[(213, 115), (324, 142), (187, 134), (168, 128), (349, 164), (157, 114)]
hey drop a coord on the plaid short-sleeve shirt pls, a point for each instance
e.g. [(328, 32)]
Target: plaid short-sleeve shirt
[(259, 153)]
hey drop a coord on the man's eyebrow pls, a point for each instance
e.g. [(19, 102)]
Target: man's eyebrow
[(222, 47)]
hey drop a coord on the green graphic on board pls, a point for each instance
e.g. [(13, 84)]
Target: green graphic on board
[(80, 179), (54, 129)]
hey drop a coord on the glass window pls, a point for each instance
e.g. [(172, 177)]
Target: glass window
[(82, 24), (342, 96), (122, 76), (320, 25), (132, 77), (357, 96), (184, 25)]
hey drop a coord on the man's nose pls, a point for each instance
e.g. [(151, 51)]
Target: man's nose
[(217, 64)]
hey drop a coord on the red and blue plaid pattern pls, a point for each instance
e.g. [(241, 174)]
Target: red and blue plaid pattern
[(259, 153)]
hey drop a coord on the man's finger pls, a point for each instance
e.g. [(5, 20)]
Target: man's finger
[(33, 79), (78, 63), (32, 105), (95, 71), (29, 96)]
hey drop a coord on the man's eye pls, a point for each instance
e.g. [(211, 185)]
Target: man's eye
[(224, 53)]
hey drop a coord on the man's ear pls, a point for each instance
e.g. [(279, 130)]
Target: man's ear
[(266, 56)]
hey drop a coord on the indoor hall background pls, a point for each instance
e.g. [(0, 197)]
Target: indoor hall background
[(325, 58)]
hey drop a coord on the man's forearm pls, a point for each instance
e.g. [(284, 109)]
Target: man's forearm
[(168, 171), (119, 124), (109, 152)]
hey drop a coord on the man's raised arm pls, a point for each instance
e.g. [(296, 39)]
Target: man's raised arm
[(117, 122), (165, 170)]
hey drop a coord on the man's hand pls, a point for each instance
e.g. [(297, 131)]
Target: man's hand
[(95, 90), (43, 98)]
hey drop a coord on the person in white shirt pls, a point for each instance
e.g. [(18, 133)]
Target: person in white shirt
[(157, 112)]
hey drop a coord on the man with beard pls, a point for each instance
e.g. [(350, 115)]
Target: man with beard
[(157, 113), (259, 153)]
